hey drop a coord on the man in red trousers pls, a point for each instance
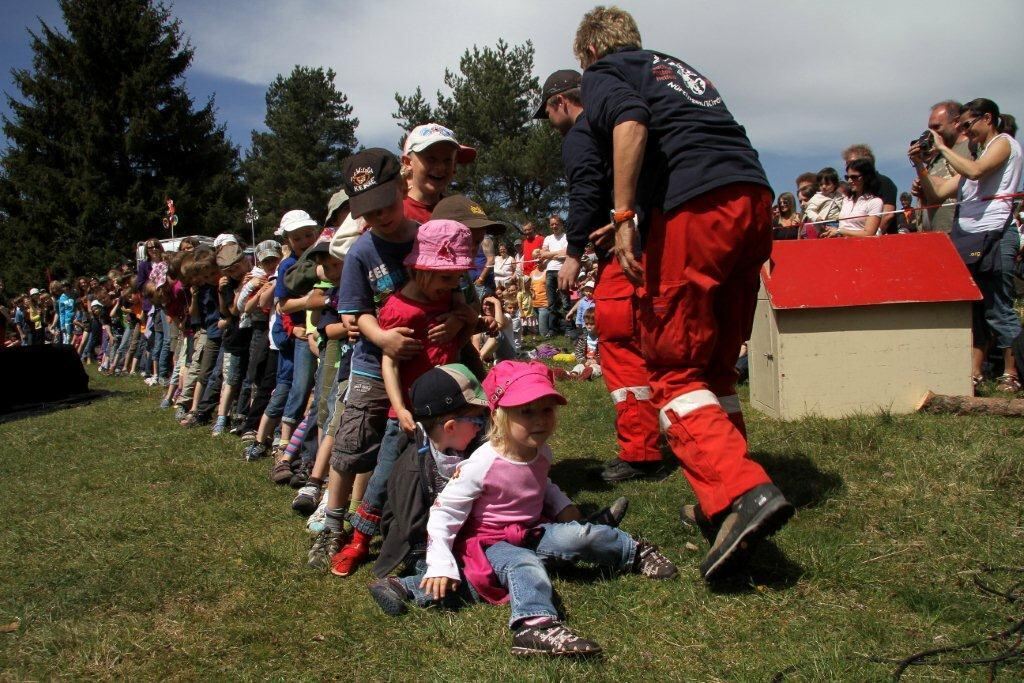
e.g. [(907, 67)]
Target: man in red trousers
[(682, 162)]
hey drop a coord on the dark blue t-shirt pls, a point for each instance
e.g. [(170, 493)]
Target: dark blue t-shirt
[(281, 291), (373, 271), (694, 145), (209, 311)]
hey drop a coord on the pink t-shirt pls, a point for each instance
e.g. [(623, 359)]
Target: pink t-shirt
[(490, 492), (401, 311), (176, 303)]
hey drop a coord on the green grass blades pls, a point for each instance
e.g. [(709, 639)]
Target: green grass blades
[(136, 549)]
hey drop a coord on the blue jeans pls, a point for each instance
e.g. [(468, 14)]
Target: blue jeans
[(543, 321), (302, 381), (391, 446), (522, 572), (995, 317), (162, 350)]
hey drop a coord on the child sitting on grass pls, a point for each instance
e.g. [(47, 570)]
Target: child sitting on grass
[(501, 518)]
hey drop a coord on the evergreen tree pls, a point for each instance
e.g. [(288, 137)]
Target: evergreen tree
[(518, 172), (105, 131), (297, 163)]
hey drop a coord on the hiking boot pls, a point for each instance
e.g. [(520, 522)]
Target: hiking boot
[(390, 595), (249, 436), (254, 451), (651, 563), (281, 470), (237, 425), (347, 560), (307, 500), (611, 515), (325, 546), (555, 639), (755, 515), (620, 470), (692, 515), (180, 413), (301, 475)]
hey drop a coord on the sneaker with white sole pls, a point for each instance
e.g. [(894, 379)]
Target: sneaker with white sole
[(317, 521), (219, 426), (307, 499), (649, 562)]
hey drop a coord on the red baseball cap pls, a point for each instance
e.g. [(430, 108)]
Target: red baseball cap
[(514, 383)]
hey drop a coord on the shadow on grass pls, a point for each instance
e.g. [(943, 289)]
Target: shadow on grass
[(804, 484), (579, 474), (45, 408), (768, 567)]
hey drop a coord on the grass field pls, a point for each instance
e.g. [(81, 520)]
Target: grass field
[(135, 549)]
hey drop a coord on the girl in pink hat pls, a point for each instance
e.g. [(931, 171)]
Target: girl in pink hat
[(440, 256), (500, 518)]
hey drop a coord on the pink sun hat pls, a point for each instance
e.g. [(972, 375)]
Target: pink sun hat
[(442, 245), (513, 383)]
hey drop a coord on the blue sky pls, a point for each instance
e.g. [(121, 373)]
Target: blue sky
[(805, 77)]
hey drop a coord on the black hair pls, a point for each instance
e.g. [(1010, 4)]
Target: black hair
[(867, 170), (828, 174), (982, 106)]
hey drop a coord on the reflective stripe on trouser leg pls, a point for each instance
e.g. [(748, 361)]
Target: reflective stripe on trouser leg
[(712, 451), (731, 406), (636, 425)]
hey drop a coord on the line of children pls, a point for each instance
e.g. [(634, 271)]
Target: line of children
[(339, 355)]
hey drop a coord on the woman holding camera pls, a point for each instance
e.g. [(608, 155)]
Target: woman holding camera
[(983, 227)]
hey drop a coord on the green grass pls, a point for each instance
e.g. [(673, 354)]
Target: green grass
[(135, 549)]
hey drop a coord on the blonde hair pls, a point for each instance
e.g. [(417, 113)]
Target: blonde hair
[(499, 433), (605, 29)]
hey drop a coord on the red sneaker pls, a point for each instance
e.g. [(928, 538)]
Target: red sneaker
[(347, 560)]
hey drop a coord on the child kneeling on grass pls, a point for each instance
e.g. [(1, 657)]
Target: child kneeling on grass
[(501, 518)]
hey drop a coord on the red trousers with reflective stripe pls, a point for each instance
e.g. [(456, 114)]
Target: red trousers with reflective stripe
[(701, 268), (615, 315)]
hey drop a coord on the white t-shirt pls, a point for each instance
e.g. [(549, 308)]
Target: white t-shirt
[(552, 243), (982, 216), (864, 206)]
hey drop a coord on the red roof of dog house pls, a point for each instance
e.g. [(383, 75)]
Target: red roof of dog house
[(867, 271)]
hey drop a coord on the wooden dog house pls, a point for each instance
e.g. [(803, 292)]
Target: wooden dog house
[(858, 325)]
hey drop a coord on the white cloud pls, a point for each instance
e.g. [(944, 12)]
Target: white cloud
[(803, 76)]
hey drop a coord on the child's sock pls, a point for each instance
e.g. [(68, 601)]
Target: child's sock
[(335, 519), (352, 507), (316, 481)]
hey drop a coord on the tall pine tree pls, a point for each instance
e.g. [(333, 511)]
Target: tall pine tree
[(296, 164), (105, 131), (518, 171)]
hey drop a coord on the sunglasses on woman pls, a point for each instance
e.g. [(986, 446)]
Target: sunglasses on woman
[(853, 176), (964, 126)]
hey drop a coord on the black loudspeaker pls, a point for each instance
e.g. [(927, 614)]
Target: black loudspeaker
[(31, 375)]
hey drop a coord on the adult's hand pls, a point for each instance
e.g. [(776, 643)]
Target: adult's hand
[(625, 250), (568, 272), (604, 237)]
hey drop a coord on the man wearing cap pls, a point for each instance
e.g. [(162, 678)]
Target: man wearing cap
[(429, 157), (625, 372), (681, 160)]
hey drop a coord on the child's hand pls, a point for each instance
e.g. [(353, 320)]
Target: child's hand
[(316, 299), (489, 325), (223, 282), (299, 332), (222, 324), (406, 421), (439, 586), (351, 327), (398, 343), (445, 330)]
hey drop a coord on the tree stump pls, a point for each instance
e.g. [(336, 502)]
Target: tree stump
[(937, 404)]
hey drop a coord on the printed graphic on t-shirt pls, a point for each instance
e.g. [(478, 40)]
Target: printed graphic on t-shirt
[(382, 284), (686, 81)]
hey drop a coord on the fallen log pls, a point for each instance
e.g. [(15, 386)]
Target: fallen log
[(938, 404)]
